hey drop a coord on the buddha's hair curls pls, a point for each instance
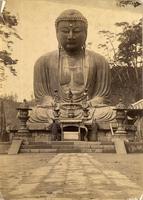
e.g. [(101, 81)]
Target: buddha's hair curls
[(71, 15)]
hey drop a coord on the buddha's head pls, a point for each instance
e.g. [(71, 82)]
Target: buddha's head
[(71, 29)]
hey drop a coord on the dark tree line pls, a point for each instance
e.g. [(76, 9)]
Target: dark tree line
[(125, 60)]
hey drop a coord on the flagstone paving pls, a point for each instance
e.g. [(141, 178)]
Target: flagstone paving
[(70, 176)]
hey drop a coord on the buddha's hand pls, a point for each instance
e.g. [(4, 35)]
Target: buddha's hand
[(47, 101), (97, 102)]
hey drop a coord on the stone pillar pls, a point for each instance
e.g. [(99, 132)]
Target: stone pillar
[(121, 117), (23, 115), (120, 135)]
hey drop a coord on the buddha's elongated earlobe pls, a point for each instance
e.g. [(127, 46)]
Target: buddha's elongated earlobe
[(59, 45), (83, 49), (84, 46)]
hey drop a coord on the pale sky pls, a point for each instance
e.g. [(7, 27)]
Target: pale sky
[(36, 27)]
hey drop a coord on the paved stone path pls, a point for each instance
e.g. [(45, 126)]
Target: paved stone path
[(74, 176)]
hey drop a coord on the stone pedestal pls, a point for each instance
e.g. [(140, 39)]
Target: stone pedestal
[(24, 136), (121, 132), (119, 142), (23, 131)]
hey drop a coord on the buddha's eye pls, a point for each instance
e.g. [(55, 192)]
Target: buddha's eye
[(77, 30), (64, 30)]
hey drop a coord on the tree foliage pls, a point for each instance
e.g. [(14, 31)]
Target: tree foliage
[(8, 112), (134, 3), (124, 52), (8, 22), (130, 44)]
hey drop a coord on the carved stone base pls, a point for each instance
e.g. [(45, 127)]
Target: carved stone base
[(26, 137)]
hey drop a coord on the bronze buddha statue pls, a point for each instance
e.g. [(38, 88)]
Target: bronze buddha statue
[(72, 67)]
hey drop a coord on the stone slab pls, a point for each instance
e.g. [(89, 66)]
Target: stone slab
[(70, 135), (134, 147), (120, 146), (15, 147)]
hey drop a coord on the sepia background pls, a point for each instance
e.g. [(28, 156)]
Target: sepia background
[(32, 175), (37, 30)]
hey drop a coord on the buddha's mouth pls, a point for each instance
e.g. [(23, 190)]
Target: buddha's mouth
[(71, 43)]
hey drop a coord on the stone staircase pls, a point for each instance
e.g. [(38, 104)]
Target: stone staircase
[(68, 147)]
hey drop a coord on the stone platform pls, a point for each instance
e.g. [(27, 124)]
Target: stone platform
[(72, 147)]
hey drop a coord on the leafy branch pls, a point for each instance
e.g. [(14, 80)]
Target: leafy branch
[(8, 22), (124, 53)]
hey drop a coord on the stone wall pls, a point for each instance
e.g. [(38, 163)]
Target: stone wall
[(134, 147), (4, 146)]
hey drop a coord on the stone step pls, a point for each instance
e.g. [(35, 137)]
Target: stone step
[(66, 146), (50, 151), (91, 150), (72, 142), (109, 150), (38, 150), (67, 151), (40, 143), (47, 146), (52, 143), (107, 143), (62, 142), (94, 146)]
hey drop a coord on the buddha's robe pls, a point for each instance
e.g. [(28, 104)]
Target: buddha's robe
[(61, 72)]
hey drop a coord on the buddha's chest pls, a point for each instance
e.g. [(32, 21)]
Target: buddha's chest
[(73, 73)]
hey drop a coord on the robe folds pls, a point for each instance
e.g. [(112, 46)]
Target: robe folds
[(97, 81), (46, 77)]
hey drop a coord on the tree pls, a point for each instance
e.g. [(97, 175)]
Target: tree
[(124, 51), (123, 3), (130, 47), (9, 103), (108, 47), (8, 22)]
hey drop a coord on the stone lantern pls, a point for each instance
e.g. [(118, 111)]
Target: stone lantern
[(120, 117), (23, 116)]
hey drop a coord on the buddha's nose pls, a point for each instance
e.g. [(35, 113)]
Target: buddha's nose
[(70, 35)]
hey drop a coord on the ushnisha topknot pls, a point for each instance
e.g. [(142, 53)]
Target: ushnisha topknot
[(71, 15)]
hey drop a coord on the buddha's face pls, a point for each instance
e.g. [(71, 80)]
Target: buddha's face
[(71, 35)]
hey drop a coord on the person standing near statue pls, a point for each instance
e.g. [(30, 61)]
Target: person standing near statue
[(55, 130)]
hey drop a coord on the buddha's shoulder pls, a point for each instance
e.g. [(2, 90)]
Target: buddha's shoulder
[(96, 56), (47, 57)]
